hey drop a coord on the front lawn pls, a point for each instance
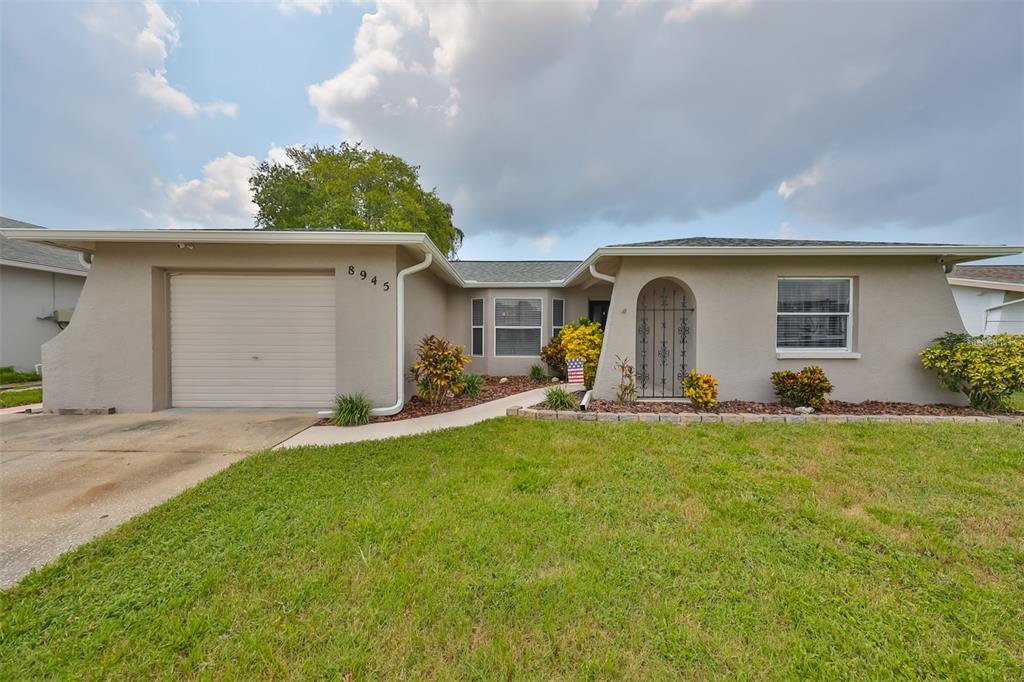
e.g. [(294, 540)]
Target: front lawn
[(28, 396), (537, 549)]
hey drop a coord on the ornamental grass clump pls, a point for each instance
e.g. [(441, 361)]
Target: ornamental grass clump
[(538, 374), (438, 369), (986, 369), (351, 410), (580, 339), (702, 390), (806, 388), (557, 398), (472, 385)]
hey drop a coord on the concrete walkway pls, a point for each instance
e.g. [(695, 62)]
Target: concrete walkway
[(333, 435)]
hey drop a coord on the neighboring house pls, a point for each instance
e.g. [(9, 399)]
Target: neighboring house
[(256, 318), (990, 297), (39, 287)]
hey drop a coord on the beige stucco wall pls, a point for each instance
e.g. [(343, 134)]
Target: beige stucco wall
[(115, 352), (900, 305), (25, 296), (426, 312)]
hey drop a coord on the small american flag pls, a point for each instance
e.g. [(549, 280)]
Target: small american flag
[(575, 370)]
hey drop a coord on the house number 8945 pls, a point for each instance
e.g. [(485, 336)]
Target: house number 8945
[(362, 275)]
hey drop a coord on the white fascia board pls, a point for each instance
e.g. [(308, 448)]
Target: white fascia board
[(984, 284), (86, 240), (960, 253), (474, 284), (43, 268)]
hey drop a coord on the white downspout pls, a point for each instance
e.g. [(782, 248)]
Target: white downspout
[(601, 275), (400, 344)]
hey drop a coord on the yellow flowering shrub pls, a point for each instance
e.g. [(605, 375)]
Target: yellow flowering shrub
[(987, 369), (438, 369), (580, 339), (702, 390)]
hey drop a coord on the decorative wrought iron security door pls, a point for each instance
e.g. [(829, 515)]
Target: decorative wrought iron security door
[(664, 322)]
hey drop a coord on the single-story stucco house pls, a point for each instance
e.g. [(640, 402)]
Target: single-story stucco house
[(39, 288), (257, 318), (990, 297)]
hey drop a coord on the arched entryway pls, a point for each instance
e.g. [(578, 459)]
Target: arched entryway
[(664, 338)]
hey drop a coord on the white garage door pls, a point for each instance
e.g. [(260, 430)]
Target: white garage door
[(252, 340)]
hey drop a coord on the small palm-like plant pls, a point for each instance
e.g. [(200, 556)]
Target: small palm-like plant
[(351, 410)]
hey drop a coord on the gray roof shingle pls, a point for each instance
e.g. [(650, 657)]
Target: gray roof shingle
[(1011, 274), (36, 254), (731, 241), (506, 271)]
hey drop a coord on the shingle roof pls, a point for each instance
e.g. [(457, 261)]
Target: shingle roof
[(1011, 274), (730, 241), (36, 254), (506, 271)]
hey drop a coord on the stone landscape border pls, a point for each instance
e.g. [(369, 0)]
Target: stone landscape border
[(750, 418)]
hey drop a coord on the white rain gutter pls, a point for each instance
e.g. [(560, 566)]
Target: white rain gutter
[(600, 275), (400, 344)]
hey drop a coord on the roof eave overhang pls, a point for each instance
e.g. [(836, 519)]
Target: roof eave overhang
[(43, 268), (86, 240), (944, 253), (985, 284)]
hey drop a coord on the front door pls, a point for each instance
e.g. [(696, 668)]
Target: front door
[(598, 312)]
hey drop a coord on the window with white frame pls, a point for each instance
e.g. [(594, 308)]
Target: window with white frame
[(557, 316), (814, 313), (476, 331), (517, 326)]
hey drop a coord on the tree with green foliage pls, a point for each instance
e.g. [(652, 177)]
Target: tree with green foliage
[(348, 187)]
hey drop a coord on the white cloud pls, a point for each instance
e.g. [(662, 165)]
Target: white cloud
[(788, 188), (853, 113), (220, 198), (316, 7), (546, 244), (156, 39)]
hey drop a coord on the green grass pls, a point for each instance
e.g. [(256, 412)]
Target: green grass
[(9, 375), (28, 396), (547, 550), (1017, 401)]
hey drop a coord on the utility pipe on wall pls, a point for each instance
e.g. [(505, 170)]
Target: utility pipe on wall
[(400, 344)]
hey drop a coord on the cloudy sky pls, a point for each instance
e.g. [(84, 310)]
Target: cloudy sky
[(551, 127)]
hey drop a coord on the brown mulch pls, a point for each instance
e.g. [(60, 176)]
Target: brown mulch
[(746, 406), (417, 407)]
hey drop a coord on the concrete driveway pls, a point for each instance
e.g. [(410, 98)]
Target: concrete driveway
[(66, 479)]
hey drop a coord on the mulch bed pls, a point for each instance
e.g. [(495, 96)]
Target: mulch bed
[(745, 406), (493, 390)]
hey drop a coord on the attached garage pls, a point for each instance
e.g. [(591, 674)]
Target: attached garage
[(252, 340)]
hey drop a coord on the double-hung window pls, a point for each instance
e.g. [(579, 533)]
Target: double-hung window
[(517, 326), (814, 314), (476, 330), (557, 316)]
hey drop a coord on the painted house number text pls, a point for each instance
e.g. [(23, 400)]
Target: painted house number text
[(362, 274)]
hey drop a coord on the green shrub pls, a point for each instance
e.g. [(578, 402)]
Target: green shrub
[(9, 375), (351, 410), (626, 392), (806, 388), (472, 384), (702, 389), (557, 398), (987, 369), (580, 339), (538, 374), (438, 369)]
